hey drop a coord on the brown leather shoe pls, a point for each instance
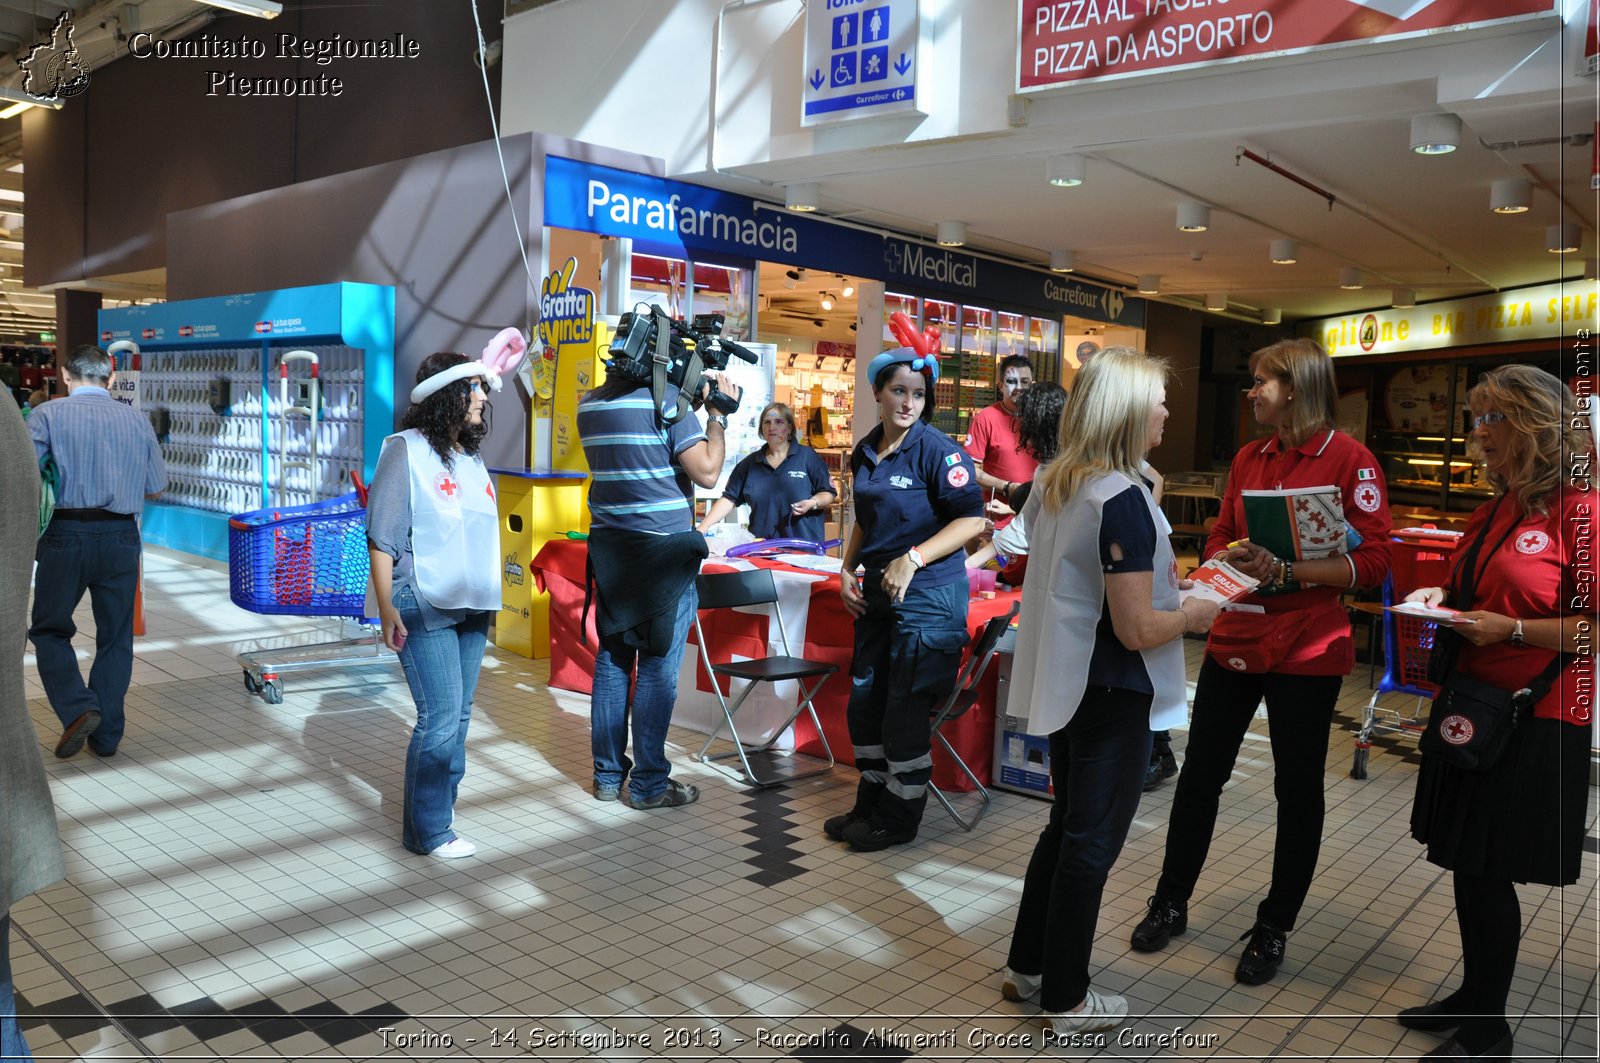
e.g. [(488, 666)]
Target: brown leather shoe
[(77, 733)]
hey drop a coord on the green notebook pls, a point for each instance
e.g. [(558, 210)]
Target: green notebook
[(1297, 523)]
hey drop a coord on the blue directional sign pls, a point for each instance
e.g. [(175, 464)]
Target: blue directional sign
[(861, 59)]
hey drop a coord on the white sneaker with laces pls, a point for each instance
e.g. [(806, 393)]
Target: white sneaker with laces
[(1019, 987), (454, 849), (1098, 1013)]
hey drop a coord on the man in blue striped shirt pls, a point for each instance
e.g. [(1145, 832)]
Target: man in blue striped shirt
[(643, 556), (110, 462)]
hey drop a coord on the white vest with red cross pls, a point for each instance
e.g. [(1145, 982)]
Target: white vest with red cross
[(455, 528)]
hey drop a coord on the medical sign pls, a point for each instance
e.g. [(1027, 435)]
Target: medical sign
[(861, 59), (1066, 41)]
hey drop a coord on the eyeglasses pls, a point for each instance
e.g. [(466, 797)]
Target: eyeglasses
[(1487, 418)]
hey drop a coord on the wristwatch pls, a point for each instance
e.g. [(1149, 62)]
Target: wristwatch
[(1516, 635), (916, 558), (720, 418)]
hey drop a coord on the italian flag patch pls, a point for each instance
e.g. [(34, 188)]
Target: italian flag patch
[(952, 459)]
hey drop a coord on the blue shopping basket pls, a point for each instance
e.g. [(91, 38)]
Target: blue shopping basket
[(301, 560)]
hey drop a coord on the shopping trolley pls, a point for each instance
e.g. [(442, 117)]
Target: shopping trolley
[(304, 560), (1421, 558)]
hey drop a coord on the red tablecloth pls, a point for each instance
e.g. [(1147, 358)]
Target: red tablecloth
[(828, 636)]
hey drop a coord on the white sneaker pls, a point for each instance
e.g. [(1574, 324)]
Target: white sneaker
[(1019, 987), (1099, 1013), (458, 847)]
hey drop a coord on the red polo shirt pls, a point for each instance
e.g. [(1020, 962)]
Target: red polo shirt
[(1545, 568), (1328, 457)]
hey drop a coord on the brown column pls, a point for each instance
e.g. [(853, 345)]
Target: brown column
[(77, 321)]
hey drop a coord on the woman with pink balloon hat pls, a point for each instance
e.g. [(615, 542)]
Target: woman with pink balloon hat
[(433, 536), (917, 502)]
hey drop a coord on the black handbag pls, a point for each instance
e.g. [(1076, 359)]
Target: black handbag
[(1472, 722)]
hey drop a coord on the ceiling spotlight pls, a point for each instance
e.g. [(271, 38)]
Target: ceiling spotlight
[(1065, 171), (1435, 134), (852, 326), (1271, 316), (952, 233), (826, 301), (1350, 279), (1149, 283), (848, 290), (1285, 252), (1563, 239), (1403, 299), (1193, 217), (1216, 300), (1063, 261), (817, 321), (801, 197), (1511, 195)]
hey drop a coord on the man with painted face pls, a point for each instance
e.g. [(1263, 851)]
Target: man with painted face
[(992, 438), (916, 504)]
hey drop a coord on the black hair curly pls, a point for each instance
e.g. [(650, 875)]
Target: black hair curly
[(442, 416), (1039, 419)]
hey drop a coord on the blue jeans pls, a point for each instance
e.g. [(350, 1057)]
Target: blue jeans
[(101, 557), (12, 1045), (1097, 763), (442, 670), (655, 691)]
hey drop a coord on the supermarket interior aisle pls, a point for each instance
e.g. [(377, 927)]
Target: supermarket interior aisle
[(237, 889)]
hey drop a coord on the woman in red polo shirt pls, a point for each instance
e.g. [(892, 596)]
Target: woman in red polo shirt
[(1293, 393), (1521, 820)]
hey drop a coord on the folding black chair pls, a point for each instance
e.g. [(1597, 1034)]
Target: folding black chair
[(962, 698), (726, 590)]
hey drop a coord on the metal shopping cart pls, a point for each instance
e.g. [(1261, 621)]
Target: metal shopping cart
[(1421, 558), (304, 560)]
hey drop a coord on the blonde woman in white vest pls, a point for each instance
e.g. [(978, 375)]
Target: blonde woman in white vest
[(433, 533), (1100, 564)]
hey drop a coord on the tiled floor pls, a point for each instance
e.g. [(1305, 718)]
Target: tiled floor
[(237, 891)]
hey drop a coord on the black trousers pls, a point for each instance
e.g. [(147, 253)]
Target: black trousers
[(1098, 763), (1299, 714)]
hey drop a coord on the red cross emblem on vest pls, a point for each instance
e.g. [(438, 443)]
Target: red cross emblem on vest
[(445, 486)]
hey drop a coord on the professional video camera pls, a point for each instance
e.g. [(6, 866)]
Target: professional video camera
[(652, 348)]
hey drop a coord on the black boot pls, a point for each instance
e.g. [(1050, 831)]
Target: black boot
[(867, 794), (1163, 765), (893, 822)]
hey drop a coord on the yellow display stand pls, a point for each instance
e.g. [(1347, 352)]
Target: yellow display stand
[(534, 508), (549, 500)]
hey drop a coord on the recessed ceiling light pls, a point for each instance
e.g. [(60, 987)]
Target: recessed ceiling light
[(1193, 217), (1271, 316), (1350, 279), (1563, 239), (1065, 171), (1063, 261), (1216, 300), (1511, 195), (1403, 298), (1149, 283), (1435, 134), (952, 233), (801, 197), (1285, 252)]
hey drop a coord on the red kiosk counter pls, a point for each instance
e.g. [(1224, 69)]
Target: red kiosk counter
[(819, 628)]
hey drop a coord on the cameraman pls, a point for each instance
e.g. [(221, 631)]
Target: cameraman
[(644, 555)]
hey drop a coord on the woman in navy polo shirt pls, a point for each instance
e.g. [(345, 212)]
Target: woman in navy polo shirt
[(917, 502), (785, 484)]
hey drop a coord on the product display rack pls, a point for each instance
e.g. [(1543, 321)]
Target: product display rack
[(206, 374)]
